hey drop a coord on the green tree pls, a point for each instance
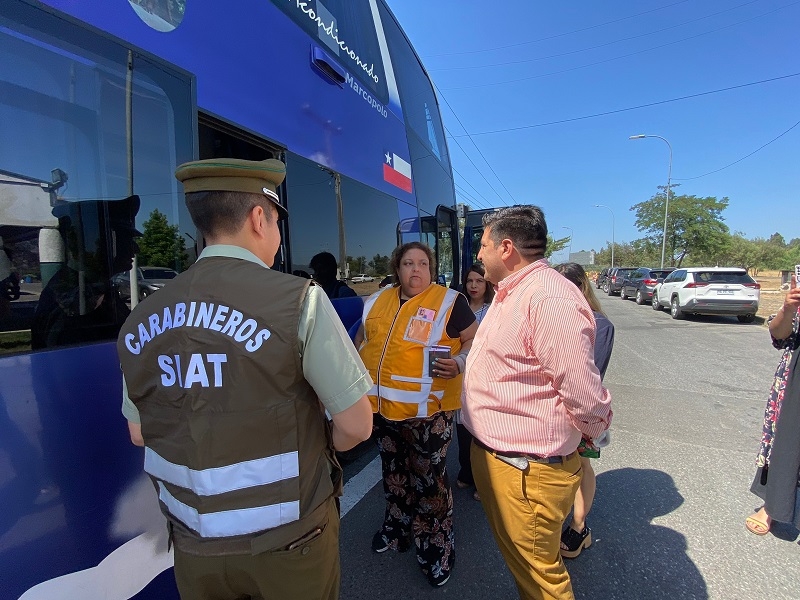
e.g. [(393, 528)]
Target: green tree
[(379, 265), (694, 226), (555, 245), (161, 244)]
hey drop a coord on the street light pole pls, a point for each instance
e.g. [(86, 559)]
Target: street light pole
[(612, 229), (571, 233), (669, 179)]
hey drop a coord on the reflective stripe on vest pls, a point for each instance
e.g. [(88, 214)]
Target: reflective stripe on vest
[(210, 482), (230, 522)]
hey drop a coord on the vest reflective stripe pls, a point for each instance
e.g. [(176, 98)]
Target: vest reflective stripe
[(230, 522), (440, 322), (219, 480), (405, 396)]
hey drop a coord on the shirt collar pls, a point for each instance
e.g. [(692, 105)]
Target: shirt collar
[(229, 251), (509, 284)]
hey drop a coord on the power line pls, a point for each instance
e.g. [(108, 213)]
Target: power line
[(476, 147), (558, 35), (485, 201), (620, 110), (615, 58), (627, 39), (741, 159), (471, 199)]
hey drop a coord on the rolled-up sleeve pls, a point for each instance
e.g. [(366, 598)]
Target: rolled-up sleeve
[(331, 363), (129, 409), (563, 341)]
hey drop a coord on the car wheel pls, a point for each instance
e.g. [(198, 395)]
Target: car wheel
[(609, 291), (746, 318), (143, 294), (655, 303), (622, 294), (639, 298), (605, 287), (675, 309)]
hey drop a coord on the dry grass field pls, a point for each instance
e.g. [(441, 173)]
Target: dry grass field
[(771, 294)]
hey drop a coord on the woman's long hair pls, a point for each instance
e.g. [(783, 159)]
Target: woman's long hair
[(575, 273), (488, 295)]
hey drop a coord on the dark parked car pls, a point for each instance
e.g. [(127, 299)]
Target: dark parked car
[(601, 278), (613, 283), (640, 283), (150, 280), (386, 281)]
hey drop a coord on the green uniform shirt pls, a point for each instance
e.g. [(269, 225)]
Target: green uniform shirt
[(331, 363)]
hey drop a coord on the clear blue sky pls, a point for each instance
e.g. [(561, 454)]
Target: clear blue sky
[(526, 64)]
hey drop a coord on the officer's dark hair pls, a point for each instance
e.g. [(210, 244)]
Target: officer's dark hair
[(217, 212), (524, 225), (399, 252)]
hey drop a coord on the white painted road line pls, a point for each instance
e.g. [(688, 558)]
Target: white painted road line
[(358, 485)]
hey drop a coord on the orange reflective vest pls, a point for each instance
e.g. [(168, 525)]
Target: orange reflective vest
[(396, 343)]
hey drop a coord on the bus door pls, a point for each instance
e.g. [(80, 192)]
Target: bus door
[(440, 232), (473, 231), (219, 139)]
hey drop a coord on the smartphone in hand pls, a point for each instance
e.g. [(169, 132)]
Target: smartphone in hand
[(797, 274), (435, 352)]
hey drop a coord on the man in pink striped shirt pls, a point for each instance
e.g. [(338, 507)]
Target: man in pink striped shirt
[(532, 390)]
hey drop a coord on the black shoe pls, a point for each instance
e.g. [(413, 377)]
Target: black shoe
[(380, 543), (575, 541)]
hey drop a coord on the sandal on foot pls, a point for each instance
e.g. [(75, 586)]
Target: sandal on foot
[(462, 484), (575, 541), (757, 526)]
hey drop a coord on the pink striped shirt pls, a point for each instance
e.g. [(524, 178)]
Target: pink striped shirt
[(531, 382)]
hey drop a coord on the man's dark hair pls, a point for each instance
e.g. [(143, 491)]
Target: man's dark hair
[(522, 224), (216, 212), (324, 266)]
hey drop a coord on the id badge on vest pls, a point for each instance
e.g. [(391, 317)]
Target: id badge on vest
[(420, 326)]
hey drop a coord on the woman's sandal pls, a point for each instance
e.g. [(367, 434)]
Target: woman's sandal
[(757, 526), (575, 541)]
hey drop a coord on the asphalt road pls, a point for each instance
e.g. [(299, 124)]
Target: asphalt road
[(673, 486)]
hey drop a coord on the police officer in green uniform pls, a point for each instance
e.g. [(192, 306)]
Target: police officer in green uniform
[(228, 373)]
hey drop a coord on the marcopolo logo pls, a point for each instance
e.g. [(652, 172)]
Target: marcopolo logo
[(351, 81)]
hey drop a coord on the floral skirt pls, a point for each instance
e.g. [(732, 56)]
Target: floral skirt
[(419, 500)]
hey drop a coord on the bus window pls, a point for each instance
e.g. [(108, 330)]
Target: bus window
[(69, 220)]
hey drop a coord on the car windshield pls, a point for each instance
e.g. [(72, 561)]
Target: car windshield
[(723, 277), (159, 273)]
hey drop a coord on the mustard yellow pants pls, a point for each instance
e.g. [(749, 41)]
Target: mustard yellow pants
[(526, 511)]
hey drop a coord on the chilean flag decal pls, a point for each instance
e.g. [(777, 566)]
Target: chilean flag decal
[(397, 171)]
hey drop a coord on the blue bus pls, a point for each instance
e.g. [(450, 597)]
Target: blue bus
[(100, 100)]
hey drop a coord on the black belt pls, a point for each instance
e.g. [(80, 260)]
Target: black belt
[(549, 460)]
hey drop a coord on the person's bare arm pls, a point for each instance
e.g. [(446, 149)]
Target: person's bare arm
[(359, 339), (353, 425), (781, 325), (135, 430)]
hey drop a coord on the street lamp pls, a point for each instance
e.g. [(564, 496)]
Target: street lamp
[(571, 233), (669, 178), (612, 229)]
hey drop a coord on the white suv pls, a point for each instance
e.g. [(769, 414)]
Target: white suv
[(709, 291)]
